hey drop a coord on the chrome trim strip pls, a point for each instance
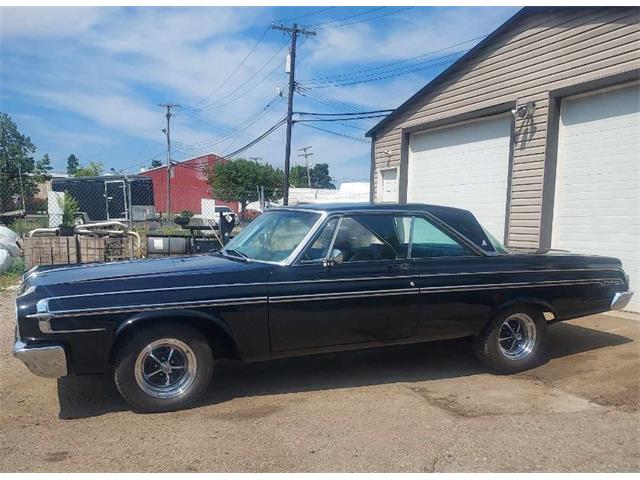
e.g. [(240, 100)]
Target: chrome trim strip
[(150, 307), (45, 327), (498, 286), (163, 289), (356, 279), (441, 289), (344, 295)]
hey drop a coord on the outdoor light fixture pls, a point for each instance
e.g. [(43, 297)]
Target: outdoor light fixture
[(524, 111)]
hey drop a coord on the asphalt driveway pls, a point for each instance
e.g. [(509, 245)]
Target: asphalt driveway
[(418, 408)]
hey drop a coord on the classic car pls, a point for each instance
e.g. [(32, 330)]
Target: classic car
[(304, 280)]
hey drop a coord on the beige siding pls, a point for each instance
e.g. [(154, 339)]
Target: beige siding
[(543, 51)]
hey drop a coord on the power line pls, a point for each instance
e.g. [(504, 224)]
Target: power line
[(328, 100), (253, 142), (350, 113), (385, 14), (368, 79), (218, 102), (315, 12), (254, 117), (361, 140), (306, 120), (359, 14), (234, 71), (389, 64)]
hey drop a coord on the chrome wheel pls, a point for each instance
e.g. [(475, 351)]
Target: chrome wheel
[(166, 368), (517, 336)]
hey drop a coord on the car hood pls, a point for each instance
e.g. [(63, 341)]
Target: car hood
[(155, 277)]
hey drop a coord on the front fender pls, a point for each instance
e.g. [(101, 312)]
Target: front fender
[(173, 314), (214, 328)]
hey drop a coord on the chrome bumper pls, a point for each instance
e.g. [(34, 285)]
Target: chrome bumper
[(621, 300), (44, 361)]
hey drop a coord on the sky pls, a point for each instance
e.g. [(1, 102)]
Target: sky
[(89, 80)]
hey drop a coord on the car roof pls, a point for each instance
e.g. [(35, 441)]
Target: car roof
[(360, 207)]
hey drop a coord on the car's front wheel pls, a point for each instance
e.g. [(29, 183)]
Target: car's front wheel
[(163, 368), (514, 340)]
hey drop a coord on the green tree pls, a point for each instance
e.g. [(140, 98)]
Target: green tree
[(155, 163), (42, 169), (319, 174), (72, 164), (239, 180), (18, 172), (93, 169)]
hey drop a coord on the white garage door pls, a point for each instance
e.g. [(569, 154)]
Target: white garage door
[(463, 166), (597, 203)]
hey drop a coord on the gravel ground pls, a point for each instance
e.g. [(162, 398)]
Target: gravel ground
[(420, 408)]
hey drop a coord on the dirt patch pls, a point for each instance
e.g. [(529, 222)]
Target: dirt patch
[(414, 408)]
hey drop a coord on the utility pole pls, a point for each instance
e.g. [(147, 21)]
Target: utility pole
[(255, 159), (167, 132), (306, 157), (294, 31)]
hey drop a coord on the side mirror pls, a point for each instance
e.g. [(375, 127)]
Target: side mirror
[(335, 258)]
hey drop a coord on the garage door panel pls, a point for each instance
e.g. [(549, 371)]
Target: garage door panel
[(463, 166), (597, 202)]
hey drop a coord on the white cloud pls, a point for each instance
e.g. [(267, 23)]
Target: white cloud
[(113, 66), (49, 21)]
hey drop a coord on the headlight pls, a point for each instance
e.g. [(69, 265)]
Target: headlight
[(42, 306)]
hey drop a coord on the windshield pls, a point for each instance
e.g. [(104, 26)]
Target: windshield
[(272, 236)]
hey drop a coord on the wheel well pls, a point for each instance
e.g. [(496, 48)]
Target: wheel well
[(219, 338), (537, 304)]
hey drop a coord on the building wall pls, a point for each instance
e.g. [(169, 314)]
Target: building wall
[(542, 52), (188, 185)]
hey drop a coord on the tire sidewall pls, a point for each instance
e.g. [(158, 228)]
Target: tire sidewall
[(124, 373), (488, 347)]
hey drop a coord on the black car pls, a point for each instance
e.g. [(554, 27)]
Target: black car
[(304, 280)]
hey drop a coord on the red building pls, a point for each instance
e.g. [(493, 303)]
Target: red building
[(188, 185)]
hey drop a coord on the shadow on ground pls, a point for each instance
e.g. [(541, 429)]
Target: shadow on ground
[(89, 396)]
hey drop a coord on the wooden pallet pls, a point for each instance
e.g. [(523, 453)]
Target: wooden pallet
[(49, 251), (68, 250)]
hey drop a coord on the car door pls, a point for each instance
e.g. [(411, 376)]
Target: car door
[(368, 297), (449, 307)]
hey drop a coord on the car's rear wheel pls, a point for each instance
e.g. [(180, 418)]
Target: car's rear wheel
[(163, 368), (514, 340)]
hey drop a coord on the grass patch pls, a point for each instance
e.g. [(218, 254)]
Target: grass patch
[(12, 276)]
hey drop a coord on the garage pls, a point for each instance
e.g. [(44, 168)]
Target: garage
[(465, 166), (597, 199)]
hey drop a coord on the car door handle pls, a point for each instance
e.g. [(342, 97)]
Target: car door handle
[(402, 267)]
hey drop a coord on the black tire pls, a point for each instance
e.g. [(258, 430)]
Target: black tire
[(191, 373), (506, 356)]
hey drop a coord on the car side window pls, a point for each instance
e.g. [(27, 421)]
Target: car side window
[(359, 243), (319, 249), (429, 241)]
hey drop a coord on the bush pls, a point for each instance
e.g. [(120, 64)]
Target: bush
[(22, 226), (69, 206)]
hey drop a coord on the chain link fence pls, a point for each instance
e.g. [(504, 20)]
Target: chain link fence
[(131, 215)]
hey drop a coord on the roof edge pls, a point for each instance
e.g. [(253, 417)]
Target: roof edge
[(453, 67)]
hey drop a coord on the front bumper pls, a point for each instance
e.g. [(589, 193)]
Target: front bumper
[(621, 300), (43, 360)]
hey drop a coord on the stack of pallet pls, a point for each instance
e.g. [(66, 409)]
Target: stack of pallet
[(49, 251), (66, 250), (92, 249)]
